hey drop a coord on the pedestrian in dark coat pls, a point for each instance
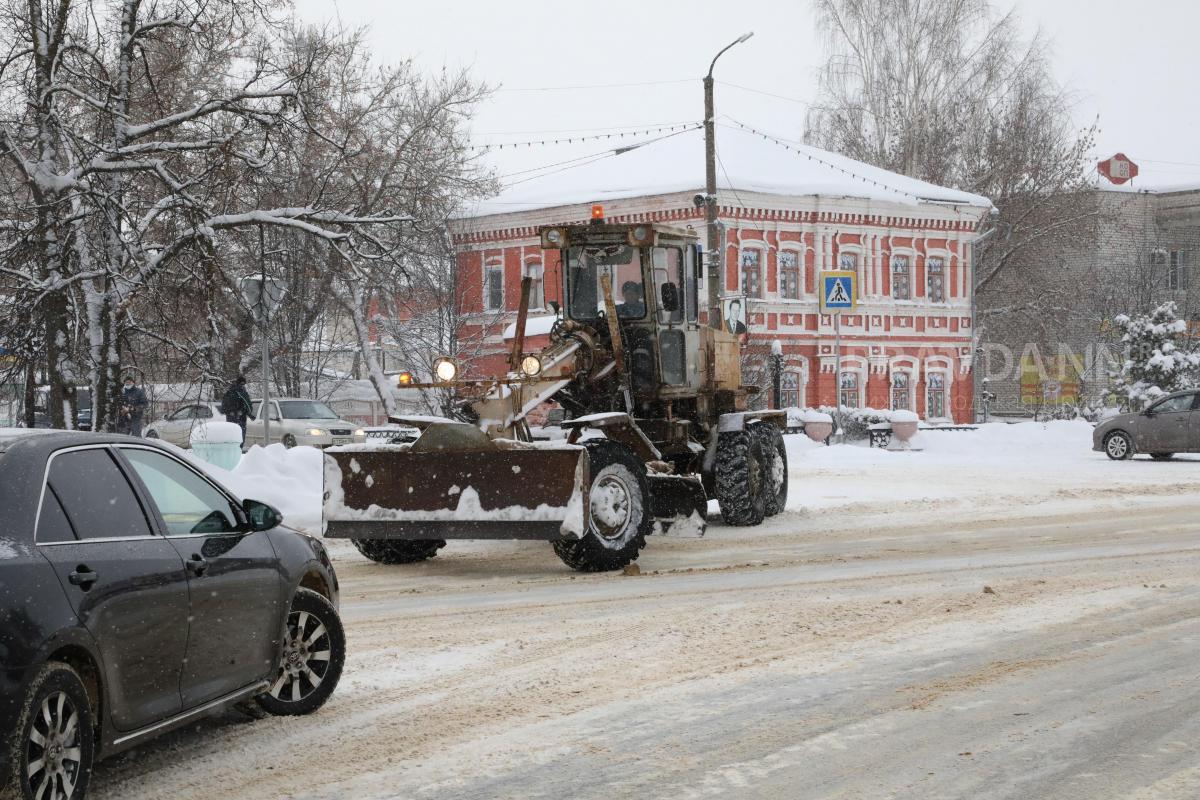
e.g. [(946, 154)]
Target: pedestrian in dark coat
[(236, 406), (133, 408)]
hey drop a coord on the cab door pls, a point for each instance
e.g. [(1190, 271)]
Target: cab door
[(675, 308), (126, 583), (237, 604)]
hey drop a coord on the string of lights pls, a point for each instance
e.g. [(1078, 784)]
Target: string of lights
[(595, 137), (801, 150)]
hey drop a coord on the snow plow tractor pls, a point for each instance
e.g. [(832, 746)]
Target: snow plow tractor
[(656, 423)]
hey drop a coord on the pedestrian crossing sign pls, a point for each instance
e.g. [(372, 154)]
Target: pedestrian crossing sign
[(838, 291)]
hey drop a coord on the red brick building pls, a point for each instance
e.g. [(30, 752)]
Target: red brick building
[(787, 212)]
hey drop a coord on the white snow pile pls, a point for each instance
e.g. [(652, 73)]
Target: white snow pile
[(217, 433), (288, 479), (903, 415)]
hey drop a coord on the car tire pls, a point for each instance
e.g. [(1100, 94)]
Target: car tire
[(55, 728), (152, 434), (312, 657), (1118, 446), (288, 440), (1162, 456), (617, 532)]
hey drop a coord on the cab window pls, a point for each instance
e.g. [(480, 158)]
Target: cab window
[(587, 265)]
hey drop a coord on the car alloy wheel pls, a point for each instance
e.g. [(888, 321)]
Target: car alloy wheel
[(54, 753), (306, 657), (289, 441), (1117, 446)]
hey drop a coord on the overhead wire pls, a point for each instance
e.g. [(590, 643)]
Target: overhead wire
[(620, 134)]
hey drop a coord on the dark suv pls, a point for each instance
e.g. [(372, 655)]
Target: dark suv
[(137, 595)]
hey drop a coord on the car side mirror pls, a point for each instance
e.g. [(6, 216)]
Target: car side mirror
[(262, 517), (669, 296), (1149, 412), (555, 307)]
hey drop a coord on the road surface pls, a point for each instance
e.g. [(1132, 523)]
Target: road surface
[(1014, 651)]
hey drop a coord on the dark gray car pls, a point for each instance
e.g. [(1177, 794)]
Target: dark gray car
[(1168, 426)]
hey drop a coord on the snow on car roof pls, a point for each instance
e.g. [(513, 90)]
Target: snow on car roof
[(748, 162)]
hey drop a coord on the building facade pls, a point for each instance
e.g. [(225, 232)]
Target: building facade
[(909, 344)]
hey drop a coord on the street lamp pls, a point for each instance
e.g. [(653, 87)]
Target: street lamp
[(263, 293), (777, 371), (715, 259)]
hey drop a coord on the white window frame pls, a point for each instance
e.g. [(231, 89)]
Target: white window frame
[(856, 251), (490, 266), (858, 366), (761, 249), (911, 257), (911, 367), (795, 249), (944, 256), (944, 367), (534, 268)]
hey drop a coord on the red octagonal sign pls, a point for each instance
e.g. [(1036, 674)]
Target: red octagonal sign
[(1118, 169)]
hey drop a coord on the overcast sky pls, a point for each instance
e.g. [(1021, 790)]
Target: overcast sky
[(1130, 63)]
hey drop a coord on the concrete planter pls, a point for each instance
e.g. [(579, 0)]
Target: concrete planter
[(818, 431), (904, 431)]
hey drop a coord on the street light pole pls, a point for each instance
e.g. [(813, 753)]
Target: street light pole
[(716, 260), (266, 350)]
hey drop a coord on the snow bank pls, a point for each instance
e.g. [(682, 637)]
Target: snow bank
[(289, 480), (217, 433)]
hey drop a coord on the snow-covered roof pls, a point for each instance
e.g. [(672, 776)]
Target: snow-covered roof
[(748, 162), (1148, 186)]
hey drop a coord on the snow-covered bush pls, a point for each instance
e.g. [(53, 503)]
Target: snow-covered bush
[(1154, 365)]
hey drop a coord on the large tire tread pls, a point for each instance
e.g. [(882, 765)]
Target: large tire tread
[(737, 453), (775, 465), (589, 553), (398, 551)]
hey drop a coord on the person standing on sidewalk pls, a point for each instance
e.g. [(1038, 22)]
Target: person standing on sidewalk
[(133, 408), (236, 406)]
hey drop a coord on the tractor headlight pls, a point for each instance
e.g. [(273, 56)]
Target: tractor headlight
[(445, 369), (531, 366), (553, 238)]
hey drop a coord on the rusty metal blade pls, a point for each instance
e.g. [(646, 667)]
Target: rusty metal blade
[(456, 493)]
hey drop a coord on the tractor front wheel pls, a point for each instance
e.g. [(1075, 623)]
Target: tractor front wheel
[(619, 512), (741, 479)]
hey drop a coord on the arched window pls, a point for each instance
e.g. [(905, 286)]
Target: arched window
[(537, 289), (849, 389), (901, 278), (935, 279), (789, 274), (935, 395), (901, 391), (493, 285), (752, 271), (790, 393)]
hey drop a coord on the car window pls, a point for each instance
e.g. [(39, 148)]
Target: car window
[(203, 412), (53, 525), (1181, 403), (306, 409), (182, 413), (98, 499), (188, 503)]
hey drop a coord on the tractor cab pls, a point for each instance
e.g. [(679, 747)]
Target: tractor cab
[(646, 278)]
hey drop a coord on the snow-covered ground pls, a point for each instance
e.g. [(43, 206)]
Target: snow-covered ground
[(1001, 614), (995, 468)]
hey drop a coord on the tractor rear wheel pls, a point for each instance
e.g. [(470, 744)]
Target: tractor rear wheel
[(741, 478), (398, 551), (775, 463), (619, 512)]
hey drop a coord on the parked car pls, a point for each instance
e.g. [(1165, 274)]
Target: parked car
[(1168, 426), (177, 426), (296, 421), (138, 595)]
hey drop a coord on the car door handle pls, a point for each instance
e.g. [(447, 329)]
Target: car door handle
[(83, 577), (197, 565)]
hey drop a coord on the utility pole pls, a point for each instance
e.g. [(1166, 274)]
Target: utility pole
[(266, 347), (715, 266)]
